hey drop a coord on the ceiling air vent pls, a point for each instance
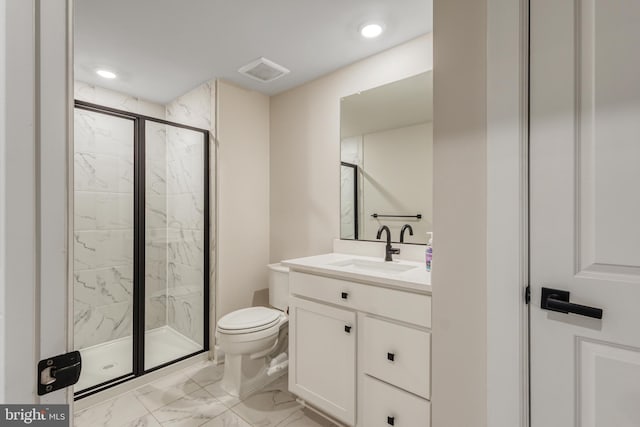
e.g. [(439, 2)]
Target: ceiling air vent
[(263, 70)]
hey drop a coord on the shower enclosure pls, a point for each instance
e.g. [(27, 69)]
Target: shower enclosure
[(141, 249)]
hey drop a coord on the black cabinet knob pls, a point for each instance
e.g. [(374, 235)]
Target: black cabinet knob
[(391, 421), (391, 356), (344, 295), (347, 329)]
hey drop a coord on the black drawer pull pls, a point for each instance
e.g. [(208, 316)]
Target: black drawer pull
[(347, 329), (391, 420), (344, 295), (391, 356)]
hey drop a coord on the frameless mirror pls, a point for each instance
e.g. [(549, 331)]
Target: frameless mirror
[(386, 154)]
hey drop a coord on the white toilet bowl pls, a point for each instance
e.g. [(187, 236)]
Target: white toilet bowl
[(254, 340)]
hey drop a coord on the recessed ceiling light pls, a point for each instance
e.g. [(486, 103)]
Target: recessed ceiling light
[(371, 31), (106, 74)]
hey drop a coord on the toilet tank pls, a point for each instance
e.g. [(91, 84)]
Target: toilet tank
[(278, 286)]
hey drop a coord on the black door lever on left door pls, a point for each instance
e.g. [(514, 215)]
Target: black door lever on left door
[(557, 300)]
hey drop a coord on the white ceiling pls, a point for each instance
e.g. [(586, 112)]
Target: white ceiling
[(161, 49)]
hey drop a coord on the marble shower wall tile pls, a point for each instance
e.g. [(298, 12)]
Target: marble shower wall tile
[(181, 275), (194, 108), (185, 163), (102, 248), (103, 173), (185, 308), (98, 324), (104, 286), (156, 161), (102, 211), (155, 142), (156, 213), (155, 311), (103, 134), (155, 277), (156, 177), (186, 211), (110, 98), (186, 247)]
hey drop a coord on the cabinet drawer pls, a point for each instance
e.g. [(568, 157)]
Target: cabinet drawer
[(385, 405), (397, 354), (397, 304)]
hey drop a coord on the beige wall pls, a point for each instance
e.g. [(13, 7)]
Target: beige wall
[(398, 179), (305, 148), (243, 196), (460, 204)]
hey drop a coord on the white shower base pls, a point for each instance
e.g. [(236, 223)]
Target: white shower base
[(109, 360)]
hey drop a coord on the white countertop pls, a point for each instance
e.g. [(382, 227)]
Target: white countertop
[(415, 278)]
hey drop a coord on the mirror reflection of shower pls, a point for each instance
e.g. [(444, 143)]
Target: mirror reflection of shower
[(141, 233)]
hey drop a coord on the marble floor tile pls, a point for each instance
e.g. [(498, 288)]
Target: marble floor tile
[(166, 390), (269, 407), (192, 410), (227, 419), (112, 413), (305, 418), (146, 421), (205, 373), (194, 397), (216, 391)]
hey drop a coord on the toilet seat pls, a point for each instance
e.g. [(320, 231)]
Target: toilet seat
[(248, 320)]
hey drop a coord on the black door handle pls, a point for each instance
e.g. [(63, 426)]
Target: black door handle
[(557, 300), (347, 329)]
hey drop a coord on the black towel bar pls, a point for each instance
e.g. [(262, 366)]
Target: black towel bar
[(376, 215)]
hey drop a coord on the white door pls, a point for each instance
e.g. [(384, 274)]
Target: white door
[(33, 187), (585, 211)]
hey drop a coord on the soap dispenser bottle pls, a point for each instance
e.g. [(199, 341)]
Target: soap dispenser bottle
[(428, 252)]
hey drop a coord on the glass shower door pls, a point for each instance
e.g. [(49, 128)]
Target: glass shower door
[(103, 245), (141, 243), (176, 203)]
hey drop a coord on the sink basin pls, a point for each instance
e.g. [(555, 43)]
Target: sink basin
[(372, 266)]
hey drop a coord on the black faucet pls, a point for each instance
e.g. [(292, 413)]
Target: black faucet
[(404, 227), (389, 250)]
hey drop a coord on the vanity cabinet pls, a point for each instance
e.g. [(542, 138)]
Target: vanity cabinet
[(322, 357), (378, 373)]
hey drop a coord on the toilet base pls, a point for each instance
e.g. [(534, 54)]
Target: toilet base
[(243, 376)]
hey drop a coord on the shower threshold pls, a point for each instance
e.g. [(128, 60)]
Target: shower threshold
[(106, 361)]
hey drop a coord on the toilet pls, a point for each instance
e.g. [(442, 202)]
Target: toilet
[(255, 339)]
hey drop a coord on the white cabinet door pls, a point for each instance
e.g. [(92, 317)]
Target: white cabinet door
[(322, 348), (585, 211)]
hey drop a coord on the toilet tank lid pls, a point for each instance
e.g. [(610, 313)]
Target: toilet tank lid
[(247, 318)]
